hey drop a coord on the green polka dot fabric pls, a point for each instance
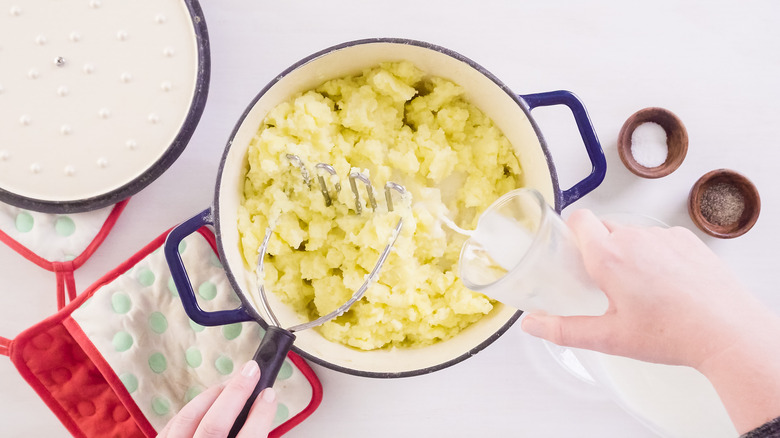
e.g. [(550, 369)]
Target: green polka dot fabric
[(53, 237), (164, 359)]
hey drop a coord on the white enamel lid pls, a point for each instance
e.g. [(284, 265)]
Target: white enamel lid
[(97, 97)]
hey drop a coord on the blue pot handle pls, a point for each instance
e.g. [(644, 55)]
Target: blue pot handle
[(182, 280), (588, 134)]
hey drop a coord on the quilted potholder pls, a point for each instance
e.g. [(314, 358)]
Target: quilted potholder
[(59, 243), (124, 358)]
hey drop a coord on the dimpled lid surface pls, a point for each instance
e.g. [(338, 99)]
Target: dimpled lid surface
[(92, 92)]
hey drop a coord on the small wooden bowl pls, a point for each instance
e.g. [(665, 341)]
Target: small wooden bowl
[(750, 199), (676, 142)]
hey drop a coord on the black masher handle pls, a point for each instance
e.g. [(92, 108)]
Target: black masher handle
[(270, 357)]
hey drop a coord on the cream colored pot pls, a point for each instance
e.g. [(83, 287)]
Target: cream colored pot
[(510, 112)]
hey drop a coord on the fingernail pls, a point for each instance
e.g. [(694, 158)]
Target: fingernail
[(531, 326), (250, 369), (269, 395)]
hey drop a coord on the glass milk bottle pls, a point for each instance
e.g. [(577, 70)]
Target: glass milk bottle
[(523, 255)]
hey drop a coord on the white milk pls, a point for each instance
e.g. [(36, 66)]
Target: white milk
[(504, 240), (674, 401)]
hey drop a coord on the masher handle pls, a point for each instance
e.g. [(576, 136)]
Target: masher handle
[(269, 356)]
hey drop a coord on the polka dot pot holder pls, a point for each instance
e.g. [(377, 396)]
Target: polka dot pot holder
[(123, 357), (59, 243)]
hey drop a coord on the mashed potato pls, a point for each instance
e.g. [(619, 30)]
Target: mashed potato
[(396, 124)]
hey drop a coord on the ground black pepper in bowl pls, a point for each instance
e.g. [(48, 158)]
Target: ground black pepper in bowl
[(724, 203)]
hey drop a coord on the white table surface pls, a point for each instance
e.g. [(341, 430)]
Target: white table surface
[(715, 64)]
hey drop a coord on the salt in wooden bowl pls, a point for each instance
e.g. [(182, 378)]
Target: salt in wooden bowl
[(676, 143)]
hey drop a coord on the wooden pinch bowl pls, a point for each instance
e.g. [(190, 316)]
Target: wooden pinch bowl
[(676, 141), (750, 197)]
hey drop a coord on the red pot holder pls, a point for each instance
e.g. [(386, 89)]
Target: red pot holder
[(122, 358)]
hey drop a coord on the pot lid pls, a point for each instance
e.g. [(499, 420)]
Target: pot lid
[(97, 98)]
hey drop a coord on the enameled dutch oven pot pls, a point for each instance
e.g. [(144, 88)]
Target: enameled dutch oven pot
[(510, 112)]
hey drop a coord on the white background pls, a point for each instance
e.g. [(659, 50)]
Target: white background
[(715, 64)]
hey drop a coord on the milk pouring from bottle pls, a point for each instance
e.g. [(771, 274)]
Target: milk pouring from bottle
[(523, 255)]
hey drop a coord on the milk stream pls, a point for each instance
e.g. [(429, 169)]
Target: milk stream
[(503, 240)]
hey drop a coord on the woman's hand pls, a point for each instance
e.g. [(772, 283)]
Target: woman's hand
[(671, 299), (211, 414)]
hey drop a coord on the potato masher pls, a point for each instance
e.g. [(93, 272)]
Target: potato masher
[(278, 341)]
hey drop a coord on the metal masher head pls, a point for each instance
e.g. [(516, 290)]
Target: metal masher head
[(372, 276), (354, 176)]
